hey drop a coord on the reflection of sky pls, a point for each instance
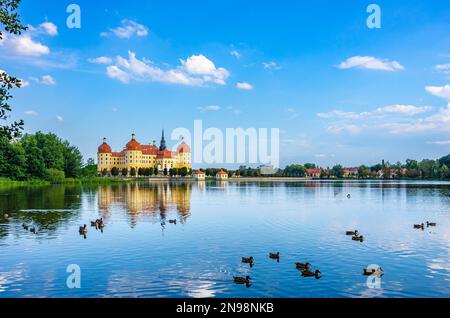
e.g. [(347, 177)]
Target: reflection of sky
[(217, 226)]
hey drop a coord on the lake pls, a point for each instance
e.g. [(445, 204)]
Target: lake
[(141, 254)]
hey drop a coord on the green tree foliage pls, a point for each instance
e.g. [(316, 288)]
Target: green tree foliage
[(184, 172), (114, 171), (133, 172), (295, 171), (363, 171), (90, 169), (55, 175), (124, 172), (337, 171), (10, 22), (33, 155)]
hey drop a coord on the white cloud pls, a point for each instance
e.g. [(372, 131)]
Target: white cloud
[(236, 54), (345, 128), (24, 45), (244, 86), (127, 29), (271, 66), (404, 110), (100, 60), (371, 63), (24, 83), (44, 80), (49, 28), (197, 70), (444, 68), (439, 91), (30, 113), (201, 65), (442, 142), (59, 118), (213, 108)]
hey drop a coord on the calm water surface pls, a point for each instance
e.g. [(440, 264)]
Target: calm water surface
[(140, 254)]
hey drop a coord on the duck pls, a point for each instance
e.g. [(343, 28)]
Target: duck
[(373, 271), (25, 226), (98, 221), (33, 230), (358, 238), (83, 229), (355, 232), (431, 224), (173, 221), (248, 260), (94, 223), (349, 196), (101, 225), (5, 215), (303, 266), (275, 255), (419, 226), (242, 280), (309, 273)]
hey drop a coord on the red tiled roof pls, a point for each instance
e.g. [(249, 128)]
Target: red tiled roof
[(351, 170), (104, 148), (222, 172), (149, 150), (133, 145), (199, 172), (165, 154), (183, 148), (118, 154), (313, 171)]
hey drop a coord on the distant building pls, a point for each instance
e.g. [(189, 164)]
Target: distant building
[(136, 155), (351, 172), (199, 175), (313, 173), (222, 175)]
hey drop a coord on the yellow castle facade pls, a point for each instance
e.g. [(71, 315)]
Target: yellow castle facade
[(136, 155)]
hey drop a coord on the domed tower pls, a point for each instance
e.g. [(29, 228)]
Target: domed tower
[(104, 157), (133, 153), (184, 155)]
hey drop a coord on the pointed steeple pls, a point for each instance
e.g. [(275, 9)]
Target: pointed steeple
[(163, 142)]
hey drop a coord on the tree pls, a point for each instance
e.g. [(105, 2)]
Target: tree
[(12, 160), (183, 172), (55, 175), (72, 160), (171, 172), (124, 172), (151, 171), (10, 22), (363, 171), (104, 172), (445, 161), (165, 171), (89, 170), (114, 171), (133, 172), (337, 171), (444, 172)]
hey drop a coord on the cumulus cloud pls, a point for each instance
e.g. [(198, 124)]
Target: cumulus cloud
[(370, 63), (26, 43), (59, 118), (44, 80), (127, 29), (244, 86), (439, 91), (197, 70), (100, 60)]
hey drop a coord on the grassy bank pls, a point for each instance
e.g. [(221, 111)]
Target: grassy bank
[(4, 182)]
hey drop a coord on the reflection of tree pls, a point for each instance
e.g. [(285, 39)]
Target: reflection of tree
[(146, 199), (45, 207)]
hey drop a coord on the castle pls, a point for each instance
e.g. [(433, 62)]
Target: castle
[(136, 156)]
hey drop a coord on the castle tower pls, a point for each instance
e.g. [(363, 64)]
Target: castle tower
[(163, 142)]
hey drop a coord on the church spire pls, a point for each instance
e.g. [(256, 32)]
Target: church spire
[(163, 142)]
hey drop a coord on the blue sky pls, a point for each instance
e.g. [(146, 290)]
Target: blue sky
[(339, 91)]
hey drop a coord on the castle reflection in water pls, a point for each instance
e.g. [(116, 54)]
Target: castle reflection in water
[(153, 201)]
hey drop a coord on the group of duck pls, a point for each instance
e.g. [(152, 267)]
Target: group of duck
[(304, 268), (355, 235), (422, 226), (29, 228), (98, 224)]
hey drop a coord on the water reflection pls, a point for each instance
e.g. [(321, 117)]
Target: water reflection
[(145, 199)]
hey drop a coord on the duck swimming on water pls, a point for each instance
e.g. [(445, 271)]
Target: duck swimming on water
[(242, 280), (419, 226), (358, 238), (275, 256), (83, 229), (248, 260), (173, 221), (309, 273), (302, 266), (431, 224), (355, 232)]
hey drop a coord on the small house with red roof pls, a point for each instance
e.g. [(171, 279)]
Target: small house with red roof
[(221, 175)]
